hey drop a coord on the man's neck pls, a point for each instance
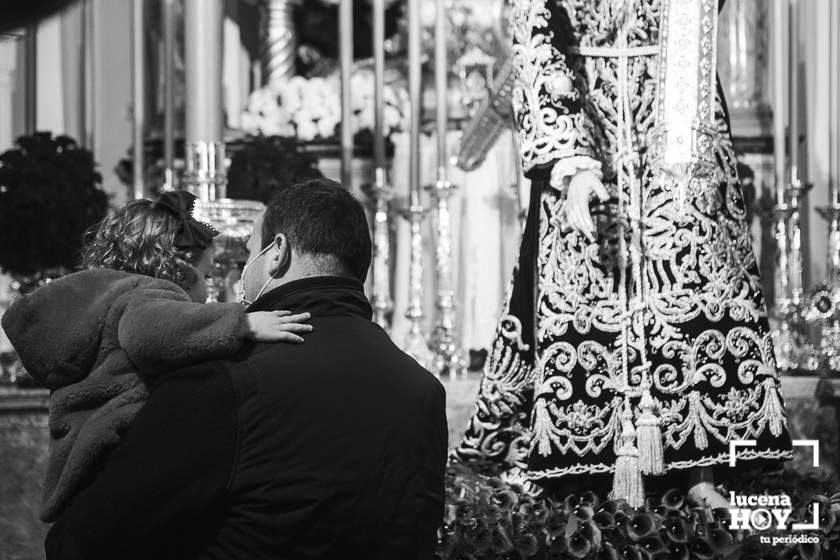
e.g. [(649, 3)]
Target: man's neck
[(304, 266)]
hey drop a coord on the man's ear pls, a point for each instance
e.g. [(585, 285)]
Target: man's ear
[(280, 256)]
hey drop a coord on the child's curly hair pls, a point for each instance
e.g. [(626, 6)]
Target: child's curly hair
[(140, 238)]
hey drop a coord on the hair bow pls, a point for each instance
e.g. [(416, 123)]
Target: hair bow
[(192, 233)]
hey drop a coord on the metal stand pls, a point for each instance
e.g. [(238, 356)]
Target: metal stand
[(791, 312), (449, 357), (382, 302), (205, 175), (416, 343)]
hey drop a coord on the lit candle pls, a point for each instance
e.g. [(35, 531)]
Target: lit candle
[(440, 86), (779, 98), (345, 17), (379, 83), (793, 106), (415, 101)]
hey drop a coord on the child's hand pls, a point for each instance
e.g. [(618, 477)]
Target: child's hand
[(277, 326)]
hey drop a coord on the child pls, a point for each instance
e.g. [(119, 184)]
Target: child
[(96, 338)]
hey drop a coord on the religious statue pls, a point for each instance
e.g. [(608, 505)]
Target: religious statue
[(634, 338)]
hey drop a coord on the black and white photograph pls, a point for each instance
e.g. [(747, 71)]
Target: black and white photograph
[(420, 280)]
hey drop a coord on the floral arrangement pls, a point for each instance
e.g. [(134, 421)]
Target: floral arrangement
[(50, 195), (262, 166), (489, 518), (310, 109)]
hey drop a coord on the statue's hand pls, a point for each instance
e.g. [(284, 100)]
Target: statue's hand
[(582, 186)]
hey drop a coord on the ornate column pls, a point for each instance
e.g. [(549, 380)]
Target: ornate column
[(278, 40), (205, 158)]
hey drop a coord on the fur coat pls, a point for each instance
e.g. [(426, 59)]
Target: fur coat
[(95, 338)]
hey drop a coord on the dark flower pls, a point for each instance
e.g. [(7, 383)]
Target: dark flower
[(640, 526), (583, 512), (828, 519), (701, 550), (673, 499), (718, 539), (652, 544), (675, 529), (589, 497), (47, 176), (604, 519), (678, 551), (631, 553), (608, 552), (578, 545), (527, 545), (264, 165)]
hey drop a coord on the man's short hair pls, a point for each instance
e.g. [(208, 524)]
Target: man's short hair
[(321, 218)]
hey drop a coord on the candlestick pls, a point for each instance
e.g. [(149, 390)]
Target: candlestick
[(137, 98), (825, 303), (834, 100), (382, 301), (168, 94), (84, 86), (30, 74), (783, 336), (448, 357), (796, 187), (441, 70), (415, 101), (379, 83), (416, 344), (346, 55), (793, 84), (779, 99)]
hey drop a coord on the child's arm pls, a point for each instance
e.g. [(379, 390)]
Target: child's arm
[(161, 329)]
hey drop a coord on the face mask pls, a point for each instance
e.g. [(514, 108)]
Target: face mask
[(242, 279)]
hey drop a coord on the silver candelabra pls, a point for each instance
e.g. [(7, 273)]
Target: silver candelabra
[(416, 344), (382, 302), (791, 311), (448, 356)]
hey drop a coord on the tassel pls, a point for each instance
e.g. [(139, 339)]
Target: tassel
[(542, 429), (773, 407), (649, 435), (628, 484)]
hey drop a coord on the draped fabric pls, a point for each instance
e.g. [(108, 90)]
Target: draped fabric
[(564, 355)]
